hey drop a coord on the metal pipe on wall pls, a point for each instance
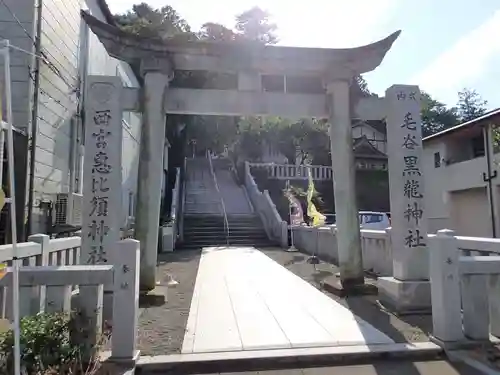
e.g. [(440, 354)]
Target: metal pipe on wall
[(34, 121), (489, 176)]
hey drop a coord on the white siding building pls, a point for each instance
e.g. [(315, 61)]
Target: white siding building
[(70, 52), (461, 177)]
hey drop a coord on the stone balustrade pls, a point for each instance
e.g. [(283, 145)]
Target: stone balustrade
[(275, 227), (295, 172), (465, 287), (322, 241)]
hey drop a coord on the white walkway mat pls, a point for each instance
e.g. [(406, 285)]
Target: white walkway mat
[(243, 300)]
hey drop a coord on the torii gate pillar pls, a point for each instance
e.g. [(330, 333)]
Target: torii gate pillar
[(344, 186), (157, 74)]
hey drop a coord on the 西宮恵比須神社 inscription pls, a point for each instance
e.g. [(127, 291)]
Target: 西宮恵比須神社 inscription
[(102, 170)]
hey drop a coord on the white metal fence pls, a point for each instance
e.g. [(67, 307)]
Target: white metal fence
[(52, 274)]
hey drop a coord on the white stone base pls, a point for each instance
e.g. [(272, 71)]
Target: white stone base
[(167, 239), (404, 297)]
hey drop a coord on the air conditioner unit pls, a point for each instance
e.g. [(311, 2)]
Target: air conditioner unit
[(65, 216)]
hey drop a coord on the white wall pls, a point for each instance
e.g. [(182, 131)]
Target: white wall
[(66, 46), (57, 104), (19, 35), (455, 189), (470, 212), (436, 196), (100, 63)]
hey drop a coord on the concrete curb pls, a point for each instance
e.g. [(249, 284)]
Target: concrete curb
[(273, 359), (464, 357)]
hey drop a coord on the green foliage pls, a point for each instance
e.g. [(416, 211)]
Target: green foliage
[(255, 25), (46, 345), (436, 116), (163, 23), (305, 139), (470, 105)]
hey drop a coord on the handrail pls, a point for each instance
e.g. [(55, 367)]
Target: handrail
[(175, 205), (226, 222), (183, 200)]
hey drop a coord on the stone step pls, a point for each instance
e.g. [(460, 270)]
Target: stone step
[(202, 229), (192, 246)]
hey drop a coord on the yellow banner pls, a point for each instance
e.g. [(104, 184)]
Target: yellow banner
[(317, 218), (3, 270)]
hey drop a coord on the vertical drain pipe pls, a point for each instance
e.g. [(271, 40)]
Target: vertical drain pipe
[(34, 120), (489, 177)]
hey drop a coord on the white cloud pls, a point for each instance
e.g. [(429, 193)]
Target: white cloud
[(464, 63), (317, 23)]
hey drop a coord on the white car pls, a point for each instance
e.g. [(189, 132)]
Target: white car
[(367, 220)]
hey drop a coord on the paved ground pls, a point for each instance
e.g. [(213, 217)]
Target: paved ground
[(411, 328), (377, 368), (162, 328)]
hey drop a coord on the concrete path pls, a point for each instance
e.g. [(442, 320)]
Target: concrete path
[(378, 368), (244, 300)]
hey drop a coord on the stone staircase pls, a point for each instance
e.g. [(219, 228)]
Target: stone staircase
[(235, 198), (202, 197), (209, 230), (204, 223)]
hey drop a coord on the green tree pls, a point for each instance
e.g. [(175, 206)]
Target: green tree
[(436, 116), (255, 25), (217, 32), (162, 23), (470, 105)]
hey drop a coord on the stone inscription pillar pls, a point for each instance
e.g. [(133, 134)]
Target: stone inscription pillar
[(102, 176), (344, 185), (408, 289), (156, 80)]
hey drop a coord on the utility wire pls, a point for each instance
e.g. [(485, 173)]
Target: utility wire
[(43, 56), (17, 20)]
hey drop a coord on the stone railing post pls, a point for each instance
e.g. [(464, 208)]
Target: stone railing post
[(247, 172), (495, 305), (445, 287), (475, 305), (42, 260), (388, 251), (284, 234), (126, 301)]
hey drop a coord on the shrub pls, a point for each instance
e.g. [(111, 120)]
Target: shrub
[(46, 346)]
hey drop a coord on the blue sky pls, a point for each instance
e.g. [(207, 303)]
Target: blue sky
[(445, 45)]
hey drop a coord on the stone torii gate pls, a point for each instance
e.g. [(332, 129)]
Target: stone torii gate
[(335, 68)]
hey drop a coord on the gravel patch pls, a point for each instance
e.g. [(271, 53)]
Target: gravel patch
[(161, 328), (410, 328)]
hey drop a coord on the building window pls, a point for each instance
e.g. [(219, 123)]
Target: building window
[(437, 160), (478, 146)]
